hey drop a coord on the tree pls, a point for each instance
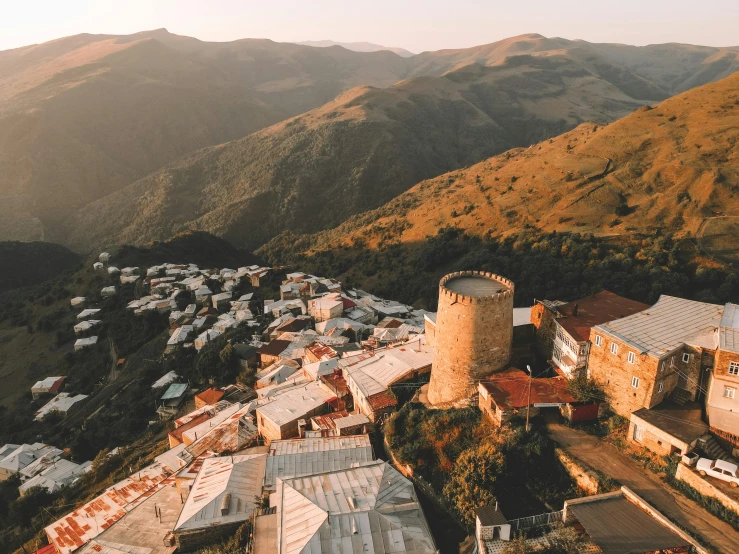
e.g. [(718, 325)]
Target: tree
[(519, 545), (473, 478)]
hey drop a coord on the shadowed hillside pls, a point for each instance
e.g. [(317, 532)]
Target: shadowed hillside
[(23, 264)]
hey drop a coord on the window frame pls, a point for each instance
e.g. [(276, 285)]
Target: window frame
[(686, 357), (729, 392), (635, 382), (631, 357), (614, 348), (598, 340), (733, 368), (660, 386)]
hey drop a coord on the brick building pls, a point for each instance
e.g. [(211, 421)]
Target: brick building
[(662, 351), (563, 329)]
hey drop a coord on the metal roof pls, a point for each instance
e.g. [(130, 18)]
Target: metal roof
[(293, 404), (490, 516), (175, 390), (618, 526), (61, 403), (667, 325), (729, 329), (298, 457), (223, 492), (89, 520), (370, 508), (166, 379)]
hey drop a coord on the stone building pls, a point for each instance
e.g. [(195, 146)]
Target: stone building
[(563, 330), (660, 352), (473, 333), (722, 388)]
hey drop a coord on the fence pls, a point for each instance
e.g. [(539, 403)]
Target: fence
[(523, 523)]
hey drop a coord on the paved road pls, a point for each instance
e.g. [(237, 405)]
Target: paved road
[(607, 458)]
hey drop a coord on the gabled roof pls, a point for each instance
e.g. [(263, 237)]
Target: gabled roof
[(670, 323), (295, 403), (223, 492), (370, 508), (273, 348), (579, 316)]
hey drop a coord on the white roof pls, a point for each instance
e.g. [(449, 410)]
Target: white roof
[(372, 508), (295, 403), (87, 341), (87, 324), (324, 327), (297, 457), (87, 313), (664, 327), (521, 316), (375, 372), (16, 457), (324, 367), (351, 420), (728, 334), (60, 474), (166, 379), (199, 431), (223, 492), (62, 402), (326, 303), (222, 296), (180, 334), (45, 384)]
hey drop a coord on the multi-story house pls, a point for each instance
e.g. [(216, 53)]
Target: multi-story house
[(664, 350), (722, 388), (563, 329)]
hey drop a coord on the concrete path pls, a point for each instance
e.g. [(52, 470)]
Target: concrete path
[(687, 514)]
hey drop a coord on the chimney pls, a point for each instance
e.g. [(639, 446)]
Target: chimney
[(574, 310), (225, 504)]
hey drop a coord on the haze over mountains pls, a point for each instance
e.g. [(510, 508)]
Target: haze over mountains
[(357, 46), (85, 119)]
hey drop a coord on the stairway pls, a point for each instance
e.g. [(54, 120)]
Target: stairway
[(712, 449), (680, 396)]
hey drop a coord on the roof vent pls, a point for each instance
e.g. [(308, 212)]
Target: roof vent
[(352, 503), (225, 504)]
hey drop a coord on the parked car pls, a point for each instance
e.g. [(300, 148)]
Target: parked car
[(720, 469)]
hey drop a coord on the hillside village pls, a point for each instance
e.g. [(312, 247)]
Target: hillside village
[(290, 455)]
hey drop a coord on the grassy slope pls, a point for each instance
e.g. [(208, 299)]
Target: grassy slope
[(29, 263), (673, 165)]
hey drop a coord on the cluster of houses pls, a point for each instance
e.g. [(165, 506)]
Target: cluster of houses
[(39, 465)]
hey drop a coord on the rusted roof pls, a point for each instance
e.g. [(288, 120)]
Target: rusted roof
[(322, 351), (48, 549), (176, 434), (510, 389), (336, 383), (85, 523), (390, 323), (327, 421), (382, 400), (594, 310), (210, 396)]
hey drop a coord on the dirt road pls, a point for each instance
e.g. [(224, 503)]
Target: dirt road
[(607, 458)]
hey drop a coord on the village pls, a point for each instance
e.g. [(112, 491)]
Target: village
[(293, 455)]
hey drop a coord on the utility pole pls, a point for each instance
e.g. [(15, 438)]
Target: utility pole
[(528, 405)]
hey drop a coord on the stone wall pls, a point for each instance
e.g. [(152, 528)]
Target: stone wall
[(586, 479), (704, 486), (655, 439), (543, 320), (473, 339)]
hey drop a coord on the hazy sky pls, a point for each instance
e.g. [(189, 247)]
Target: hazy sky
[(413, 24)]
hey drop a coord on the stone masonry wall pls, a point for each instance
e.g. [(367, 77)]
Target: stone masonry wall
[(473, 339)]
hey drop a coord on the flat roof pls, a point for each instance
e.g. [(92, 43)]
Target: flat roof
[(682, 422), (509, 389), (475, 285), (617, 526)]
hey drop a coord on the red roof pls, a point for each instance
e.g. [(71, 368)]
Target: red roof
[(510, 389), (210, 396), (48, 549), (348, 302), (382, 400), (582, 314), (336, 383), (177, 433)]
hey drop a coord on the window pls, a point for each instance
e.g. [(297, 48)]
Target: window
[(662, 366), (660, 387), (635, 382), (672, 361), (599, 342), (632, 357), (733, 368), (686, 357), (614, 348), (729, 392)]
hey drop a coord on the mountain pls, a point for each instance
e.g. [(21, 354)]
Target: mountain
[(29, 263), (357, 152), (357, 47), (83, 116), (672, 168)]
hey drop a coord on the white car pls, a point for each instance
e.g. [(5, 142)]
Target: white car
[(726, 471)]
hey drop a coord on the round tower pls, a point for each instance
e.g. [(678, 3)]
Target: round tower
[(474, 330)]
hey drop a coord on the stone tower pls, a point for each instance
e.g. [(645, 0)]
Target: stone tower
[(474, 330)]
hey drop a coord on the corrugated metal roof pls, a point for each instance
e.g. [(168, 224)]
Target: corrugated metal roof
[(89, 520), (729, 329), (667, 325), (617, 526), (370, 508), (297, 457), (295, 403), (223, 492), (175, 390)]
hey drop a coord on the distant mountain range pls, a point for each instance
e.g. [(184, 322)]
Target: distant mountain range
[(357, 47), (107, 139)]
